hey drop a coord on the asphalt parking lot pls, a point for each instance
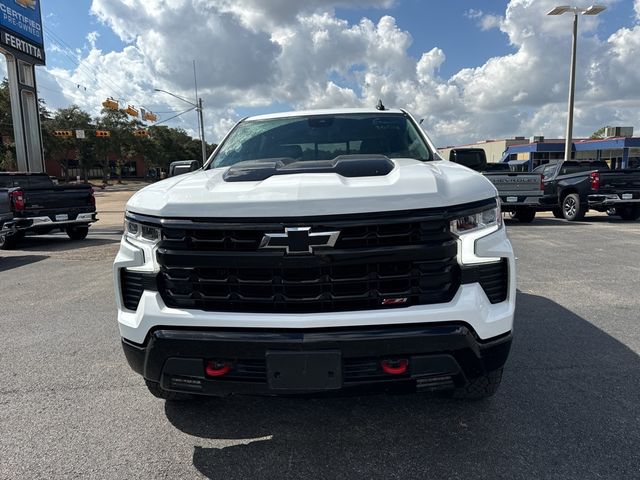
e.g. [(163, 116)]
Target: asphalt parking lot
[(569, 405)]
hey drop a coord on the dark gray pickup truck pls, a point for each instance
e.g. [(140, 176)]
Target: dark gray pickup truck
[(38, 206), (6, 214), (572, 188), (520, 192)]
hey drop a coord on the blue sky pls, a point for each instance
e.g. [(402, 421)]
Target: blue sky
[(470, 68)]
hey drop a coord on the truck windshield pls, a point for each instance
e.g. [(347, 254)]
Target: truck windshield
[(323, 137)]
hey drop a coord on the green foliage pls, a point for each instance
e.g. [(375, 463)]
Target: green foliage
[(6, 125), (163, 145), (598, 133)]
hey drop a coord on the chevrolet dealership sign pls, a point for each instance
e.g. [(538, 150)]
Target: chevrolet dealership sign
[(21, 29)]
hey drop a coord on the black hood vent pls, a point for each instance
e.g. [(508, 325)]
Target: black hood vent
[(344, 165)]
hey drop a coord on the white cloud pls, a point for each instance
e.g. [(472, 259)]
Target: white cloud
[(484, 21), (251, 54)]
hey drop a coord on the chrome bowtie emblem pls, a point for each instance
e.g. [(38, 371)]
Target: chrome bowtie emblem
[(299, 240)]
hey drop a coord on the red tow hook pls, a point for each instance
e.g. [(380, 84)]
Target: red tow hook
[(395, 366), (217, 368)]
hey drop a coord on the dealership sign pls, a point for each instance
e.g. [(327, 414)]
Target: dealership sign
[(21, 29)]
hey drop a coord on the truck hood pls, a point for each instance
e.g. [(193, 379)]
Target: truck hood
[(411, 184)]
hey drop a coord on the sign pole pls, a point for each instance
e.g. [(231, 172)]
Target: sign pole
[(26, 116), (21, 42)]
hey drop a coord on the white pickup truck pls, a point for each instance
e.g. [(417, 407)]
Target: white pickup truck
[(318, 251)]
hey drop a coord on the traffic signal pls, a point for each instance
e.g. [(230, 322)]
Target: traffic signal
[(63, 133), (141, 133), (131, 111), (110, 103), (150, 117), (103, 133)]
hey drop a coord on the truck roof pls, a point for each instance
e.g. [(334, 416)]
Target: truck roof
[(328, 111)]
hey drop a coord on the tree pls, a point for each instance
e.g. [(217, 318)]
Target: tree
[(598, 133), (6, 122), (64, 149), (122, 144)]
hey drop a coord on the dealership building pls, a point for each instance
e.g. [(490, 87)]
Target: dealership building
[(619, 150)]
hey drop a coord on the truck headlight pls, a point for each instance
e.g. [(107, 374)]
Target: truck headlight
[(484, 220), (138, 231), (470, 228)]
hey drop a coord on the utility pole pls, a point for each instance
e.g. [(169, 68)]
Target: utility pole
[(203, 143)]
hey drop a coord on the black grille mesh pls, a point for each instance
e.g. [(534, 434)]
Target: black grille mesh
[(492, 277), (133, 284)]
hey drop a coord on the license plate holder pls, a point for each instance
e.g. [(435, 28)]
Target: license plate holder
[(62, 217), (627, 196), (300, 371), (512, 199)]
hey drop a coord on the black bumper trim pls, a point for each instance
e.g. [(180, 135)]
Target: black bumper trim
[(175, 358)]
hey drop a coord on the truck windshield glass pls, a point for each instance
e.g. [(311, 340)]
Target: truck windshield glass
[(323, 137)]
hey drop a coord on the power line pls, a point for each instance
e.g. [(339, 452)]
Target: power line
[(86, 68)]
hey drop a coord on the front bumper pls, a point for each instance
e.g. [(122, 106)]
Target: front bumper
[(439, 357)]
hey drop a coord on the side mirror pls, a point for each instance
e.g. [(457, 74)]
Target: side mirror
[(183, 166)]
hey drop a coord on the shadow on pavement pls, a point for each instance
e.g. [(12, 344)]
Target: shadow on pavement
[(567, 408), (561, 222), (9, 263), (61, 243), (543, 221)]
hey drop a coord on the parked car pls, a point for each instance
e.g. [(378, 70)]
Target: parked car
[(38, 206), (520, 192), (317, 251), (572, 188)]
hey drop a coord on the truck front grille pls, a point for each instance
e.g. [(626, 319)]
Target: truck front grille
[(310, 289), (378, 261)]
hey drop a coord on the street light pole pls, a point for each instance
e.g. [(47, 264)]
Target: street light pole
[(592, 10), (572, 91)]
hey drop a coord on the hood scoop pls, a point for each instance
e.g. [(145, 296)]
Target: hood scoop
[(344, 165)]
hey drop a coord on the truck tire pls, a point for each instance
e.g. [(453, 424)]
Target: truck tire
[(557, 212), (572, 210), (630, 213), (77, 233), (525, 214), (9, 242), (158, 392), (481, 387)]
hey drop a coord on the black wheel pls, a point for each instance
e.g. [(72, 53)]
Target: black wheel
[(158, 392), (630, 213), (9, 242), (557, 212), (481, 387), (77, 233), (571, 208), (525, 214)]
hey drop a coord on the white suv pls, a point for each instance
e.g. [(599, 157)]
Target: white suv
[(316, 251)]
